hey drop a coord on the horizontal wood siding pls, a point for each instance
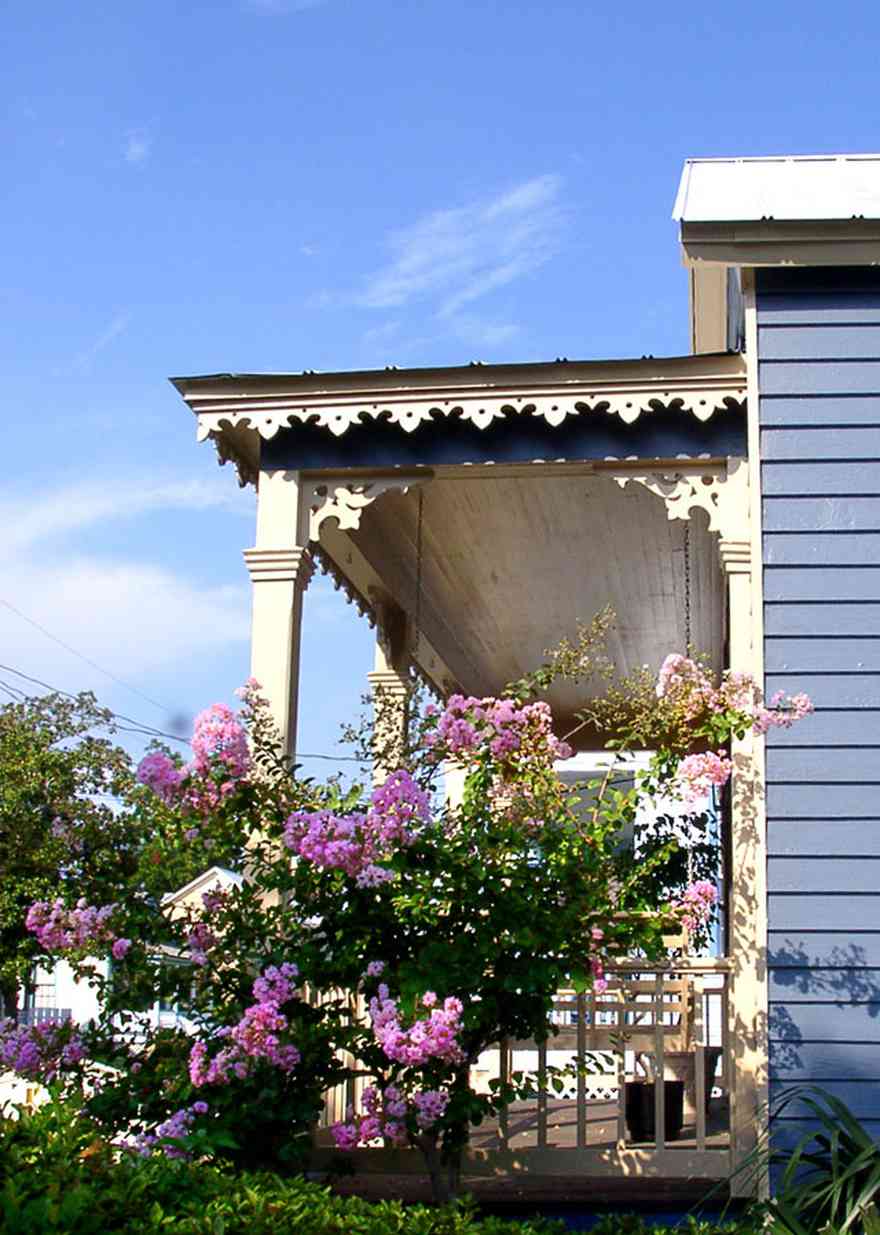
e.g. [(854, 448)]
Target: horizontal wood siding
[(819, 366)]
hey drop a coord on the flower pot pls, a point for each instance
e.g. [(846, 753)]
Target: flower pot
[(639, 1109)]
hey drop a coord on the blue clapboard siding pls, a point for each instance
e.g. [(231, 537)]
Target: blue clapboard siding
[(819, 379)]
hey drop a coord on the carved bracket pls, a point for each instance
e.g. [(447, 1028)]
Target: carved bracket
[(721, 490), (332, 498)]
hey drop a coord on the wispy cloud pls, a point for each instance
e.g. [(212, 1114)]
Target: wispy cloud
[(457, 256), (111, 331), (138, 146), (77, 508)]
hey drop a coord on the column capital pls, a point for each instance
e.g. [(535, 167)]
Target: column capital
[(736, 556), (389, 682), (290, 565)]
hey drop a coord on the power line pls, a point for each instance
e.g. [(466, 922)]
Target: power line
[(149, 731), (73, 651)]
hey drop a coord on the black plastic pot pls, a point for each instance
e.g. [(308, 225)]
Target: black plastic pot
[(640, 1109)]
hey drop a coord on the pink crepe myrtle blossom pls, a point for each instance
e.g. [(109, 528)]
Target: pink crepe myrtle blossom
[(356, 844), (120, 948), (200, 940), (375, 969), (431, 1037), (469, 727), (385, 1114), (219, 741), (160, 773), (687, 685), (59, 929), (696, 904), (697, 774), (257, 1036)]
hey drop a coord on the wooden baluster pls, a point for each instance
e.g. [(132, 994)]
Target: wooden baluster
[(581, 1081), (659, 1086), (542, 1094), (699, 1063), (621, 1066), (504, 1076)]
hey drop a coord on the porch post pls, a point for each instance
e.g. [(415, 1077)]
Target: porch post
[(748, 878), (390, 689), (280, 567)]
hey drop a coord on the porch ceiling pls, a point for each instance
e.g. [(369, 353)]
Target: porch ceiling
[(512, 558)]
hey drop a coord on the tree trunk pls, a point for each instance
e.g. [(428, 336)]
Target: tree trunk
[(444, 1171), (8, 997)]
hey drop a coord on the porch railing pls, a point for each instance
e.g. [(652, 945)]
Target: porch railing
[(593, 1105), (43, 1016)]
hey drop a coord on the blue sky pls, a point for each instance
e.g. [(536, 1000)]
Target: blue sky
[(286, 184)]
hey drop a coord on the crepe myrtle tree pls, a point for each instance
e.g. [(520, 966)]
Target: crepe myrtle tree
[(387, 928)]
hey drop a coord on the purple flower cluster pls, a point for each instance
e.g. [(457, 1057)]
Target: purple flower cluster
[(696, 904), (200, 940), (60, 929), (39, 1052), (174, 1128), (355, 844), (468, 726), (386, 1116), (255, 1036), (430, 1037)]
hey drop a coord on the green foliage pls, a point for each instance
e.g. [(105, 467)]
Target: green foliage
[(57, 1175), (830, 1180), (59, 771)]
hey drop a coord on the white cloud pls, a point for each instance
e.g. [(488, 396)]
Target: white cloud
[(67, 511), (458, 255), (138, 146), (130, 616), (111, 331)]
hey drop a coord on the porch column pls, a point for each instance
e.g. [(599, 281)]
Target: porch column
[(748, 890), (280, 567), (390, 689)]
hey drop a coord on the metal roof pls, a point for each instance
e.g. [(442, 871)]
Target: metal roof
[(790, 187)]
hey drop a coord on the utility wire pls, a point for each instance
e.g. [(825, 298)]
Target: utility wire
[(145, 730), (73, 651)]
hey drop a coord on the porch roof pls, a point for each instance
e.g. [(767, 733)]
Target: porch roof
[(644, 408)]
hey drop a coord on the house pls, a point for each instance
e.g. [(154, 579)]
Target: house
[(728, 499)]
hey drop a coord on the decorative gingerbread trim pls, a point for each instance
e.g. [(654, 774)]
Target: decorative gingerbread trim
[(721, 490), (334, 498)]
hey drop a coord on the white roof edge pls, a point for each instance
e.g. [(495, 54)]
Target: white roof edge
[(213, 873), (779, 187)]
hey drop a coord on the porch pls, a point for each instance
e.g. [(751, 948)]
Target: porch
[(474, 516)]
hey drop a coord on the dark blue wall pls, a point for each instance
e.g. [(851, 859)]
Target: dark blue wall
[(819, 352)]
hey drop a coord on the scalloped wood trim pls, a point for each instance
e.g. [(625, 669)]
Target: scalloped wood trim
[(699, 397)]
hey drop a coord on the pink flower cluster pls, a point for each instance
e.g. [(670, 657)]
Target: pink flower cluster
[(255, 1037), (221, 758), (60, 929), (174, 1128), (468, 725), (39, 1052), (386, 1115), (696, 903), (356, 843), (430, 1037), (220, 741), (200, 940), (597, 965), (696, 775), (782, 712), (161, 774), (687, 684)]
